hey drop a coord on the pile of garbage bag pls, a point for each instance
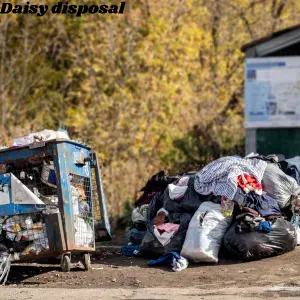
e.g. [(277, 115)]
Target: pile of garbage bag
[(250, 206)]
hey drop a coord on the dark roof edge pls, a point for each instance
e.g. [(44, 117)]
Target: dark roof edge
[(269, 37)]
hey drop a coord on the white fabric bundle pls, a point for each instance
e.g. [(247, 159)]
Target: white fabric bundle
[(220, 176)]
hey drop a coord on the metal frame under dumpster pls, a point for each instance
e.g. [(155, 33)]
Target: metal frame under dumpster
[(51, 194)]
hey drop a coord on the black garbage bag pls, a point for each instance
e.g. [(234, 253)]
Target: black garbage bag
[(157, 183), (151, 247), (173, 207), (257, 245), (156, 203), (192, 200), (188, 204)]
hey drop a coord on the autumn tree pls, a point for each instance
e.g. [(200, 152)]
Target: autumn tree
[(160, 86)]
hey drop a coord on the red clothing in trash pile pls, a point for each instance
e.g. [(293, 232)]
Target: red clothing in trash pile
[(248, 184), (167, 227)]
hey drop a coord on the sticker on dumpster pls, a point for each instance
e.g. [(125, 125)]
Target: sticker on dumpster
[(4, 189), (79, 158), (86, 170)]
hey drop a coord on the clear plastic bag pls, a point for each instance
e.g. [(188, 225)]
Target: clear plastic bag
[(279, 186)]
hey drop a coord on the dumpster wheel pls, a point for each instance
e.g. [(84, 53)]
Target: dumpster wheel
[(65, 263), (86, 260)]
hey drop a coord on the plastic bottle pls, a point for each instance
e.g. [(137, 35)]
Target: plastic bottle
[(36, 192), (28, 223), (227, 207), (296, 218)]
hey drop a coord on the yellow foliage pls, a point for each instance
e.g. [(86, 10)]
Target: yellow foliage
[(131, 84)]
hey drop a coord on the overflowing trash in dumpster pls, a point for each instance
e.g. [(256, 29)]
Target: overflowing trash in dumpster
[(47, 200), (249, 206)]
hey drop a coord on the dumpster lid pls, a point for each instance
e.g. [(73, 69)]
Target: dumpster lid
[(44, 143)]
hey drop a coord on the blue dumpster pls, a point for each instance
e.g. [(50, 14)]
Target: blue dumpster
[(51, 196)]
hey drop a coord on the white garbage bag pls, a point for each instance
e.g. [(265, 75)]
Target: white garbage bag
[(177, 191), (279, 186), (44, 135), (205, 233)]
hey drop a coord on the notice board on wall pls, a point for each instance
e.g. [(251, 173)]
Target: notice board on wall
[(272, 92)]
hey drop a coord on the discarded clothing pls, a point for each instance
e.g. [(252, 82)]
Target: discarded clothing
[(180, 264), (290, 169), (220, 176), (294, 161), (265, 226), (250, 211), (130, 250), (160, 217), (279, 186), (135, 237), (264, 204), (268, 206), (293, 172), (249, 184), (248, 223), (167, 227), (173, 259)]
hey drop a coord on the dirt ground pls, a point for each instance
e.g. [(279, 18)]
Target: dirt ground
[(113, 271)]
